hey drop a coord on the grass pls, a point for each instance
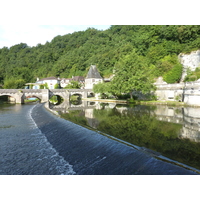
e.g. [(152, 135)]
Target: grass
[(171, 103), (28, 100)]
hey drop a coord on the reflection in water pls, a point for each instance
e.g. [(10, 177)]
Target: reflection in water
[(172, 131)]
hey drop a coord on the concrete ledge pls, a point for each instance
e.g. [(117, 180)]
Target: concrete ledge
[(106, 100)]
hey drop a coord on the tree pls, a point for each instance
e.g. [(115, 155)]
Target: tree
[(73, 85), (14, 83), (70, 55), (132, 74), (56, 86), (105, 89)]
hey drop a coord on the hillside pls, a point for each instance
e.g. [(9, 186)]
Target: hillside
[(156, 46)]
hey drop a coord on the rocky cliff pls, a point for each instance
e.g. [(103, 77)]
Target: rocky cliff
[(191, 61)]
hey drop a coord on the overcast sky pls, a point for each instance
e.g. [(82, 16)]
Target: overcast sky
[(34, 34)]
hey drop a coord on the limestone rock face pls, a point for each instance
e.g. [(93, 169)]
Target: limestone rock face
[(189, 61), (160, 81)]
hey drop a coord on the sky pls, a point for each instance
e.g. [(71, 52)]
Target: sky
[(32, 35), (37, 21)]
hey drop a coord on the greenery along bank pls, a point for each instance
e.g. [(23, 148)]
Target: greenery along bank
[(137, 54)]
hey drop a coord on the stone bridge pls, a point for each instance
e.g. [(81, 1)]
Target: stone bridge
[(43, 94), (67, 105)]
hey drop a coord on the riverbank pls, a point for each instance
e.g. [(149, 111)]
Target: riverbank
[(106, 100), (169, 103)]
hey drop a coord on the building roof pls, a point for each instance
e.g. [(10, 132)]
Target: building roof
[(65, 80), (78, 78), (93, 72), (49, 78)]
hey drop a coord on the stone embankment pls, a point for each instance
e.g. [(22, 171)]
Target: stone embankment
[(106, 100), (188, 92)]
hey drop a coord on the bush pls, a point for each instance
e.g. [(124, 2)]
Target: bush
[(123, 96), (41, 86), (57, 86), (174, 75), (131, 101)]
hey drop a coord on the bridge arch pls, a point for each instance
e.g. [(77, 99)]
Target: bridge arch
[(77, 95), (27, 96), (33, 96), (10, 98), (91, 94), (56, 99)]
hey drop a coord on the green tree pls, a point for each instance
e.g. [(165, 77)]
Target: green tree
[(56, 86), (70, 55), (104, 89), (46, 86), (165, 64), (14, 83), (132, 74), (73, 85)]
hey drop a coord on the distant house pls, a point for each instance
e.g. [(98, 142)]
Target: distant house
[(65, 81), (93, 77), (79, 79), (50, 81)]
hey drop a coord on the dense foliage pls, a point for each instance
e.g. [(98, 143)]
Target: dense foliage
[(72, 54), (73, 85), (193, 76), (131, 74)]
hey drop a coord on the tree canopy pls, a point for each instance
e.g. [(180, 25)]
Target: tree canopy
[(72, 54), (131, 73)]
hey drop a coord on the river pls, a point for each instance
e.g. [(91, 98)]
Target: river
[(100, 139)]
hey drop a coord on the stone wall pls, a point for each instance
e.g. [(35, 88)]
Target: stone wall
[(188, 92)]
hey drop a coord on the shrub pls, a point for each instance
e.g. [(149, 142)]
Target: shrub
[(174, 75)]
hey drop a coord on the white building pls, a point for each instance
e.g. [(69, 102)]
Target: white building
[(93, 77), (50, 81), (64, 82)]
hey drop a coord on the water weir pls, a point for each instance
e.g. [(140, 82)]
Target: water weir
[(92, 153)]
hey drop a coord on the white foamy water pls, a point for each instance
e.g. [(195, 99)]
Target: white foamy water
[(46, 150), (24, 149)]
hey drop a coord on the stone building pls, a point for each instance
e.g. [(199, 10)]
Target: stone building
[(66, 81), (93, 77), (50, 81)]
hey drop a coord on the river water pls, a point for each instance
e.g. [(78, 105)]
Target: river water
[(110, 139), (23, 147)]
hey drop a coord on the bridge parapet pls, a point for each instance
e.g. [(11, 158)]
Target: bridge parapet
[(79, 90), (9, 90), (32, 90), (43, 94)]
